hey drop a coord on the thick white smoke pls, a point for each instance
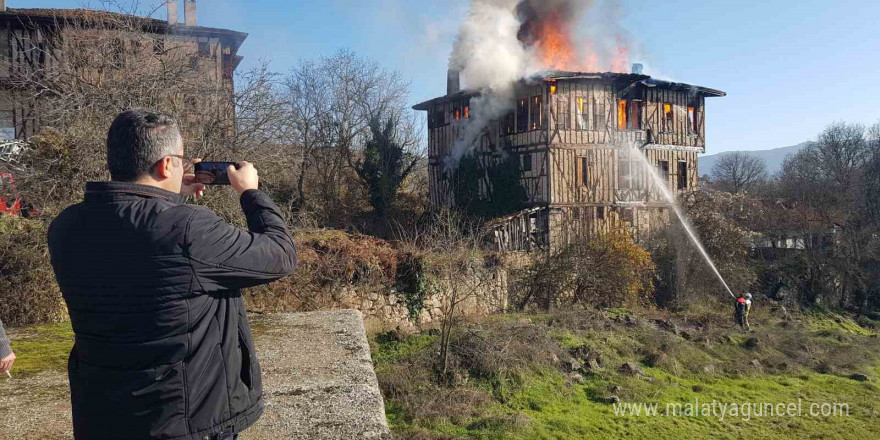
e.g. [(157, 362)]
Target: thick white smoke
[(493, 55), (491, 59)]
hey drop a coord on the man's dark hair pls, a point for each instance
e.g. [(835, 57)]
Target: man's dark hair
[(137, 139)]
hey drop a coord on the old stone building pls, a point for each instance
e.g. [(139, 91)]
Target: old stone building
[(574, 137), (31, 40)]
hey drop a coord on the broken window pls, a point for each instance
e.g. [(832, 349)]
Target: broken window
[(663, 167), (682, 175), (668, 119), (577, 213), (627, 171), (563, 114), (204, 49), (628, 215), (536, 120), (582, 171), (629, 114), (581, 119), (635, 114), (600, 213), (692, 119), (509, 123), (527, 162), (599, 120), (522, 115)]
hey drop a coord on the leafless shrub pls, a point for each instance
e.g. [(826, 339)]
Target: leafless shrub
[(28, 293), (598, 271)]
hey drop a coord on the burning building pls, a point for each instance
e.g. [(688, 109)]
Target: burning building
[(570, 135)]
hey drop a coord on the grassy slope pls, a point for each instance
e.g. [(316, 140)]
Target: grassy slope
[(547, 406)]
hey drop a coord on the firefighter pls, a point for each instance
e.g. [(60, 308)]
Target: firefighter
[(741, 313)]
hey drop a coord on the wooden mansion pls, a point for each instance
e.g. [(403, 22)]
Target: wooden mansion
[(574, 134)]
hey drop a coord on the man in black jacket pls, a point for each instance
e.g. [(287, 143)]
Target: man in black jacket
[(163, 347)]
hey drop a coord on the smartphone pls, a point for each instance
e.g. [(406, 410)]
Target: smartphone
[(213, 173)]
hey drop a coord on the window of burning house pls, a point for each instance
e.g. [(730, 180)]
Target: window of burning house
[(692, 119), (536, 113), (522, 115), (668, 117), (581, 171), (509, 123), (563, 114), (628, 215), (582, 119), (663, 167), (599, 119), (682, 174), (627, 172), (527, 162), (629, 114)]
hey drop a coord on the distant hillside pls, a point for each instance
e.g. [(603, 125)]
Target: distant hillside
[(774, 158)]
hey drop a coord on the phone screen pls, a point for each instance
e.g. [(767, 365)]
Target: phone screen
[(212, 173)]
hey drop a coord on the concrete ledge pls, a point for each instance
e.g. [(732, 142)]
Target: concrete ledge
[(318, 378)]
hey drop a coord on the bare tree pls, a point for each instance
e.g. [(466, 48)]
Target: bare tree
[(330, 103), (90, 67), (739, 171)]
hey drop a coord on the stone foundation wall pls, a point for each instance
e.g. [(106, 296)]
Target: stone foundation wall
[(393, 308)]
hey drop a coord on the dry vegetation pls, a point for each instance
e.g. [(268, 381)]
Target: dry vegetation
[(556, 375)]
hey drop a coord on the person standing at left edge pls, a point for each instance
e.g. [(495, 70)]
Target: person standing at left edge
[(163, 349)]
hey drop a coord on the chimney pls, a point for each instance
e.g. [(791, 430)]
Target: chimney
[(189, 12), (453, 81), (173, 15), (2, 5), (638, 68)]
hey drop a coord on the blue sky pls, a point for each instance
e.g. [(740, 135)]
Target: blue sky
[(789, 67)]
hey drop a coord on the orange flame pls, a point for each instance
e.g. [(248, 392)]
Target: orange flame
[(557, 49), (554, 43)]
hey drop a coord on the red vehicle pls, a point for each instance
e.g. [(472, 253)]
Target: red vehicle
[(13, 205)]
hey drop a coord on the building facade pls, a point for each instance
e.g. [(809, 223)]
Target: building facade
[(576, 137), (31, 40)]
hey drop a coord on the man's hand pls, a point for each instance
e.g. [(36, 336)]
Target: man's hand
[(190, 187), (244, 178), (6, 363)]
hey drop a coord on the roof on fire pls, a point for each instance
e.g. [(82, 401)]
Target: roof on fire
[(52, 16), (554, 75)]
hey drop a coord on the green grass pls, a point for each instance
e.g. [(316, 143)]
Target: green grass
[(559, 411), (822, 320), (42, 348), (547, 405), (386, 348)]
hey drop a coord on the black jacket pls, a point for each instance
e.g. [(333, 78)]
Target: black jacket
[(163, 348)]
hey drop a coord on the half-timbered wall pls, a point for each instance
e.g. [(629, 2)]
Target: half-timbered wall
[(582, 169)]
